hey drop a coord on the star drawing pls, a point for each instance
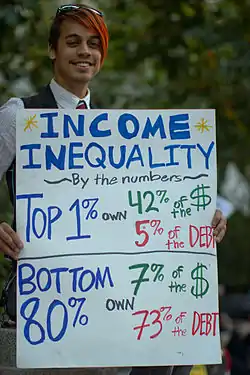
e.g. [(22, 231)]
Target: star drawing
[(203, 126), (30, 122)]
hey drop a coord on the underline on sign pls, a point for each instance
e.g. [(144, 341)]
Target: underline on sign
[(118, 253)]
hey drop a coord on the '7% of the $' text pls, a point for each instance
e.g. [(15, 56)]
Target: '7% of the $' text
[(153, 271)]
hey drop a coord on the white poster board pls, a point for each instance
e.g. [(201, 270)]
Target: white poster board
[(119, 266)]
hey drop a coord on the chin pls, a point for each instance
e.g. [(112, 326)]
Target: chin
[(83, 78), (84, 75)]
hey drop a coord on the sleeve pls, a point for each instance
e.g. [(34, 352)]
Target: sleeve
[(8, 132)]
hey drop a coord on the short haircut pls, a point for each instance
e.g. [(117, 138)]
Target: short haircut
[(92, 21)]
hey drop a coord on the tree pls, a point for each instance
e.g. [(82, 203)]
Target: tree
[(24, 65), (187, 54)]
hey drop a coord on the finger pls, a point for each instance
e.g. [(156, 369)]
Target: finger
[(217, 217), (6, 238), (4, 248), (221, 235), (14, 236), (221, 226)]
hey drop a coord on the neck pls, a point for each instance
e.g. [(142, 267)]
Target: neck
[(78, 90)]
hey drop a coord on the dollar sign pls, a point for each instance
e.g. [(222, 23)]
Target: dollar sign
[(201, 284), (202, 199)]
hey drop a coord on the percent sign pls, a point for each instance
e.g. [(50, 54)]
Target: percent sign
[(157, 268), (145, 267), (167, 316), (90, 204), (141, 230), (156, 224), (79, 318), (163, 196)]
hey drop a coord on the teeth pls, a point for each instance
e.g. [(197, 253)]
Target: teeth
[(83, 65)]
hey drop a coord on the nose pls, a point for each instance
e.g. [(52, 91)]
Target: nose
[(83, 49)]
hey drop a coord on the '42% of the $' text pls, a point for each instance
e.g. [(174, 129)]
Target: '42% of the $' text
[(57, 311), (147, 201)]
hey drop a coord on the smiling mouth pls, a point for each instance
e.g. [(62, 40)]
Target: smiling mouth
[(84, 64)]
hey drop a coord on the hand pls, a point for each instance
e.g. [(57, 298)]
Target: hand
[(10, 243), (220, 225)]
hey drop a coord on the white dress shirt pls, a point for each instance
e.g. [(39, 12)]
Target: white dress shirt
[(8, 111)]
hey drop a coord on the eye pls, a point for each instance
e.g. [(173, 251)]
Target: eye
[(72, 43), (95, 43)]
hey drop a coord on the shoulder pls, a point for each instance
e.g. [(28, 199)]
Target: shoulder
[(12, 104), (34, 101), (8, 112)]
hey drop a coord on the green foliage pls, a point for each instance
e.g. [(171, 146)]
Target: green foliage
[(163, 54), (6, 212), (24, 66), (187, 54)]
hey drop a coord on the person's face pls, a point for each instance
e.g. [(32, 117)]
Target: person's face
[(77, 57)]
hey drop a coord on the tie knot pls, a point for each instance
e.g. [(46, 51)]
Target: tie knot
[(81, 105)]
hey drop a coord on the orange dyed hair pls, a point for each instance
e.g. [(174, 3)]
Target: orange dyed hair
[(92, 21)]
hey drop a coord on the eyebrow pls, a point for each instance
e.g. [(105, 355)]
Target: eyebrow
[(72, 36), (79, 36)]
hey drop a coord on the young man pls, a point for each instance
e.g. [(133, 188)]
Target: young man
[(78, 44)]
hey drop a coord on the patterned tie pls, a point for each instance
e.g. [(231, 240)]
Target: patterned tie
[(81, 105)]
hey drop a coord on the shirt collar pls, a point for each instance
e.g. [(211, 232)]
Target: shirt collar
[(66, 99)]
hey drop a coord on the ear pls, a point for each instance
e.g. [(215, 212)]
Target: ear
[(52, 53)]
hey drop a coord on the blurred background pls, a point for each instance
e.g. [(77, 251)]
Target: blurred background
[(164, 54)]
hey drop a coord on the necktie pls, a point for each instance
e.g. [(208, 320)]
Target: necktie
[(81, 105)]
